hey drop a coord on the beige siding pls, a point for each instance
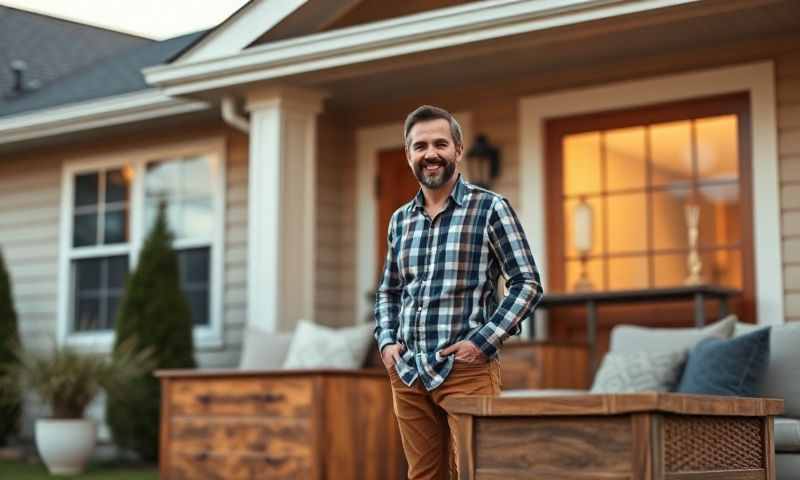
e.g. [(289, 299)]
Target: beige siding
[(335, 225), (29, 223), (787, 75)]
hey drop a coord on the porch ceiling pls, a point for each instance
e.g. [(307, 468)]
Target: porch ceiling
[(598, 43)]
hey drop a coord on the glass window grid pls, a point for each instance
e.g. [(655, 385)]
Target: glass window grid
[(106, 251), (694, 186), (104, 294)]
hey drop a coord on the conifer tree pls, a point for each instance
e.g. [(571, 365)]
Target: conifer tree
[(10, 406), (156, 313)]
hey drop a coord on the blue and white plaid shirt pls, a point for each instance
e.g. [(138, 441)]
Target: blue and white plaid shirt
[(439, 283)]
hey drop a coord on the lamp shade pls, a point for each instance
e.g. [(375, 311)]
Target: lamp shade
[(583, 219)]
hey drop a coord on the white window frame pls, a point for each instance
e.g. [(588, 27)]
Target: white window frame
[(205, 337), (757, 79)]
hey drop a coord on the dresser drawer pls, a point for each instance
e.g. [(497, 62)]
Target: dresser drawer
[(274, 437), (272, 397), (236, 466)]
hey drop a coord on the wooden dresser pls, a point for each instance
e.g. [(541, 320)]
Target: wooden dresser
[(314, 424)]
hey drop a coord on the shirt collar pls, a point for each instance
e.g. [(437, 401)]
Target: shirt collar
[(458, 194)]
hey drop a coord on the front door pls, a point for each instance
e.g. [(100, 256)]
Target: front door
[(396, 186)]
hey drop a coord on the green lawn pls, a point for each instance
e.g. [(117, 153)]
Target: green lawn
[(22, 471)]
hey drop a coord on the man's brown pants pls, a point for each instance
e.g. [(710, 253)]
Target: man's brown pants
[(425, 427)]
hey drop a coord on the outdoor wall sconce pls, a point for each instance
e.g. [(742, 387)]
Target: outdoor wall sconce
[(483, 162)]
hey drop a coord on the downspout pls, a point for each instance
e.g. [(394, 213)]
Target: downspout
[(232, 117)]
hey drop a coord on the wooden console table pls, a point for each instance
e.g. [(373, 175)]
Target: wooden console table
[(643, 436), (699, 294)]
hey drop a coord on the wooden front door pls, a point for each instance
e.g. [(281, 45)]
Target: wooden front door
[(396, 185)]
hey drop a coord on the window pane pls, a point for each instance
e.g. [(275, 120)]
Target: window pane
[(581, 162), (194, 265), (162, 179), (97, 290), (671, 153), (173, 216), (627, 223), (594, 270), (669, 219), (596, 205), (117, 272), (86, 189), (84, 229), (87, 314), (116, 227), (625, 158), (198, 303), (196, 177), (196, 219), (723, 267), (116, 186), (88, 274), (627, 273), (720, 215), (670, 270), (717, 148)]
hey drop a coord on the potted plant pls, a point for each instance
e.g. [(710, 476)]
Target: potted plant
[(67, 381)]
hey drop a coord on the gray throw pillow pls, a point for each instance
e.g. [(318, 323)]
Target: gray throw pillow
[(639, 372)]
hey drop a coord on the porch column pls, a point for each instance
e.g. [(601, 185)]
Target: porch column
[(281, 214)]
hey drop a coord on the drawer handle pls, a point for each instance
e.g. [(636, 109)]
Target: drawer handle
[(201, 457), (206, 399), (275, 462)]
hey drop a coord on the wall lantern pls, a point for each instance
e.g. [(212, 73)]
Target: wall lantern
[(483, 162)]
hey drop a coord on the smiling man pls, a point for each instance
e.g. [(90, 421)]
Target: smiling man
[(438, 322)]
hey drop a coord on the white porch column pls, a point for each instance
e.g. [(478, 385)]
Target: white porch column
[(281, 210)]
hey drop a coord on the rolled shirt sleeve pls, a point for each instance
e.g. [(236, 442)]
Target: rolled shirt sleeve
[(508, 243)]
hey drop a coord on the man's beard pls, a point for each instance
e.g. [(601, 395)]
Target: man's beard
[(435, 181)]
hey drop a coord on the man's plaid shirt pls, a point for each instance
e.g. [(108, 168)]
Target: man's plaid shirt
[(439, 283)]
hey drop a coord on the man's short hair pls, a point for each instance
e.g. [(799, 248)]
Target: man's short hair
[(429, 112)]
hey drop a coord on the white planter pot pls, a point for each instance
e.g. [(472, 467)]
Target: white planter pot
[(65, 445)]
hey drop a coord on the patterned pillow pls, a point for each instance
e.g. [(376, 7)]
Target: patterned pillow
[(318, 346), (639, 372)]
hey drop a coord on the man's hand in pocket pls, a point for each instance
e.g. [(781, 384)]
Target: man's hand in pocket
[(391, 353)]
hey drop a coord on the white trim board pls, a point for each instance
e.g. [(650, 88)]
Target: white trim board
[(431, 30), (370, 141), (102, 112), (756, 78)]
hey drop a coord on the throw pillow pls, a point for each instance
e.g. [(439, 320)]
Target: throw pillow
[(318, 346), (263, 350), (639, 372), (727, 367), (629, 338)]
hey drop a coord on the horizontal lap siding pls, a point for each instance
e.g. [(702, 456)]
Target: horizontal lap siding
[(787, 73), (30, 190), (334, 272)]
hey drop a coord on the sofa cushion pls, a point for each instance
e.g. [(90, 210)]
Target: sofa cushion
[(263, 350), (787, 466), (629, 338), (318, 346), (727, 367), (787, 434), (639, 372), (782, 379)]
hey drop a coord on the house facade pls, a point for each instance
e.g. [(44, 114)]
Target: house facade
[(277, 137)]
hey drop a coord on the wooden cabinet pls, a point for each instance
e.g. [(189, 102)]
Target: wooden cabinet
[(313, 424)]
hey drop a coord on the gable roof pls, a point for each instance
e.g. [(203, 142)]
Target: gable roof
[(53, 47), (118, 74)]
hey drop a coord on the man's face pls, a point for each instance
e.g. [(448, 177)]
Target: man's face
[(432, 155)]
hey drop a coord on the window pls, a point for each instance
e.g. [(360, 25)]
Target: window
[(636, 172), (109, 208)]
